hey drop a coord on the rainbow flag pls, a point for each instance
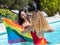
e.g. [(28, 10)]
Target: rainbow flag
[(14, 32)]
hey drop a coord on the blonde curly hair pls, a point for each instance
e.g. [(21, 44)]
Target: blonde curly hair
[(39, 22)]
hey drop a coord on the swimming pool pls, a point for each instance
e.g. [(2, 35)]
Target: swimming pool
[(52, 37)]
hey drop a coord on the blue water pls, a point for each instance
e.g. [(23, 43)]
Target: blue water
[(52, 37)]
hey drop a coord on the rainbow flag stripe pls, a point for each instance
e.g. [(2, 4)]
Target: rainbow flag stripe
[(14, 32)]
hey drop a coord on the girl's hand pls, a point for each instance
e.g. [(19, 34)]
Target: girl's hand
[(26, 23)]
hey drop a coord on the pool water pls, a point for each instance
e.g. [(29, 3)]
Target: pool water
[(52, 37)]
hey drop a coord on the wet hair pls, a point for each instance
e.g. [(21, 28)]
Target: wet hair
[(21, 20)]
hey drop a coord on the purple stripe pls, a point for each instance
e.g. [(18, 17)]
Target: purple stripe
[(15, 41)]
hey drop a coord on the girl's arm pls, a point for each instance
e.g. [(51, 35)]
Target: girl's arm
[(28, 29)]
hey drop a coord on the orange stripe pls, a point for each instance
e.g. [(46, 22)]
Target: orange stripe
[(12, 23)]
